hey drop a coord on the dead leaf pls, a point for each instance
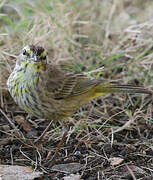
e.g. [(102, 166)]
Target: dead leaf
[(116, 161), (9, 172), (25, 125), (68, 168), (72, 177)]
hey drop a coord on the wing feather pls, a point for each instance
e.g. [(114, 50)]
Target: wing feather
[(64, 83)]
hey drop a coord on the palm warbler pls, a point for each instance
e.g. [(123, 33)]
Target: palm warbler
[(47, 91)]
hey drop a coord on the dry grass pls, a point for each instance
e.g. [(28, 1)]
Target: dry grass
[(88, 34)]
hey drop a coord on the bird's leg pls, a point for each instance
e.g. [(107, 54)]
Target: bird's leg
[(52, 161), (44, 132)]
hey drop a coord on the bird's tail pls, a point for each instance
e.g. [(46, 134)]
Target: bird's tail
[(104, 88)]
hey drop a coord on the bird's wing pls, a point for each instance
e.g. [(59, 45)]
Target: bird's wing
[(61, 84), (64, 84)]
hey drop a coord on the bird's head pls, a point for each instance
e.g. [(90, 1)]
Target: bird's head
[(34, 54)]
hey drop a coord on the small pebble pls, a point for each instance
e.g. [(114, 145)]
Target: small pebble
[(77, 153)]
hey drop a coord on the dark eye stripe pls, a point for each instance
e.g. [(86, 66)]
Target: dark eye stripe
[(24, 52)]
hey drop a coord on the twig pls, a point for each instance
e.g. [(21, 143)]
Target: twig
[(10, 122), (94, 71), (131, 172)]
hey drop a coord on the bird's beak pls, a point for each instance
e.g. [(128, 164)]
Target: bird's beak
[(35, 58)]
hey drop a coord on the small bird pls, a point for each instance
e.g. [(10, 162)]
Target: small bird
[(47, 91)]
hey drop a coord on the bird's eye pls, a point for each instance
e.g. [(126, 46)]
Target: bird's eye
[(24, 52)]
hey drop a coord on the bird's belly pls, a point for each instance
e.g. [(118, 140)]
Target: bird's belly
[(39, 106), (32, 100)]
